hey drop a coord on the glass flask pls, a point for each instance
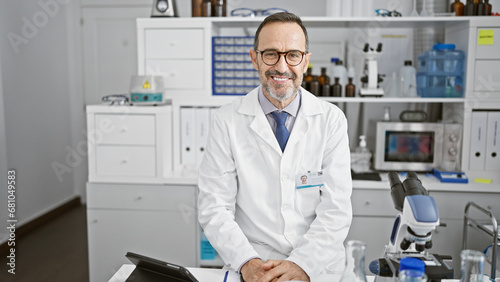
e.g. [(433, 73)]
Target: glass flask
[(354, 262), (472, 266)]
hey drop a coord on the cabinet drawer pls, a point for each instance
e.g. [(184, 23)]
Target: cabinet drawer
[(125, 161), (487, 75), (372, 203), (125, 129), (451, 205), (174, 43), (488, 51), (179, 74), (142, 197)]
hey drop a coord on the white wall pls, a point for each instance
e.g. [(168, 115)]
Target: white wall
[(37, 98), (3, 166)]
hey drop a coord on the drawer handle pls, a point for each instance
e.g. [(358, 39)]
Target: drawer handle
[(138, 198), (123, 130), (173, 43), (367, 203), (124, 161), (172, 74), (94, 221)]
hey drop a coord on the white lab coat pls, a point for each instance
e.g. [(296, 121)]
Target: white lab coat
[(248, 202)]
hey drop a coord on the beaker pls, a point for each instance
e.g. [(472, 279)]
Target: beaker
[(354, 262), (472, 266)]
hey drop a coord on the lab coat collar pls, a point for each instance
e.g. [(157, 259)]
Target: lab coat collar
[(310, 106)]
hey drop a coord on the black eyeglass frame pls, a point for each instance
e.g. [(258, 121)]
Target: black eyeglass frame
[(279, 56)]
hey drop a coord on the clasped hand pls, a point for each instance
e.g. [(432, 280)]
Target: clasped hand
[(256, 270)]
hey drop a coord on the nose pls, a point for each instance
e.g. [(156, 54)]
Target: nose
[(281, 65)]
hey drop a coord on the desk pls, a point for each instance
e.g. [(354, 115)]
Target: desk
[(209, 275)]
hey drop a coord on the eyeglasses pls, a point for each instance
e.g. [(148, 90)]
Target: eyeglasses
[(271, 57), (246, 12)]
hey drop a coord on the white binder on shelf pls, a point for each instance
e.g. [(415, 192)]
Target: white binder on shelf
[(492, 152), (478, 140), (202, 118), (188, 151)]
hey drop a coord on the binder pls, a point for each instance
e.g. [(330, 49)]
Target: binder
[(202, 119), (188, 151), (492, 153), (478, 140)]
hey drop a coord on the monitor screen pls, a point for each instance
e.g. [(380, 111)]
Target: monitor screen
[(409, 146)]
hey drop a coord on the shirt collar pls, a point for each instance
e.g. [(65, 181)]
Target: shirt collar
[(268, 107)]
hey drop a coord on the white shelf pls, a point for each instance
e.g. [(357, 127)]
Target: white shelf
[(392, 100)]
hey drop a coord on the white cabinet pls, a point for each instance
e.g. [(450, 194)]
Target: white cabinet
[(154, 220), (131, 144)]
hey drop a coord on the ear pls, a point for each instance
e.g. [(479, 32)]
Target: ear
[(307, 59), (253, 56)]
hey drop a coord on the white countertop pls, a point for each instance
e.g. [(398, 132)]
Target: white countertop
[(431, 183)]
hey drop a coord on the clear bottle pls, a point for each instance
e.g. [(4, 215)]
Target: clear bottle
[(340, 71), (472, 262), (354, 262), (408, 76), (458, 8), (350, 89)]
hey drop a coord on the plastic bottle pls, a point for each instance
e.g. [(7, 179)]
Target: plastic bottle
[(354, 262), (408, 76), (440, 72), (331, 68), (458, 8), (387, 113), (361, 157), (340, 71), (350, 89), (336, 88), (472, 263)]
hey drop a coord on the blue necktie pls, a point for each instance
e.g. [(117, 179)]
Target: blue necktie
[(282, 133)]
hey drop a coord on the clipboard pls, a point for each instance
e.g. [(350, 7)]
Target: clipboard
[(152, 270)]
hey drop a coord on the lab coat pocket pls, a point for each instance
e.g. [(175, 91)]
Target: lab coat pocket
[(308, 199)]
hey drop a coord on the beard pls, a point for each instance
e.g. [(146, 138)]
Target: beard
[(277, 91)]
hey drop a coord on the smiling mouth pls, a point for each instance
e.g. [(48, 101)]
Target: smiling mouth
[(280, 79)]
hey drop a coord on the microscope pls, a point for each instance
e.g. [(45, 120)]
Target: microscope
[(371, 77), (411, 234)]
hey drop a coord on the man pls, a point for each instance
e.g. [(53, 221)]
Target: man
[(249, 205)]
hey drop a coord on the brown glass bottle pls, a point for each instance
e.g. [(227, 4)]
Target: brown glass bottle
[(323, 81), (219, 8), (458, 8), (350, 89), (315, 86), (481, 8), (206, 8), (470, 8), (308, 77), (336, 88), (488, 7)]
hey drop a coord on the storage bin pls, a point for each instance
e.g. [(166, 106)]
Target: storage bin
[(440, 72)]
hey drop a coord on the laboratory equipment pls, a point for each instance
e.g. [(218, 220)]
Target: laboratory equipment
[(408, 76), (457, 7), (164, 8), (412, 231), (361, 157), (146, 90), (371, 79), (336, 88), (354, 270), (350, 88), (471, 263)]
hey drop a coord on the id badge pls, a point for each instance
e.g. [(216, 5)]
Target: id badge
[(309, 180)]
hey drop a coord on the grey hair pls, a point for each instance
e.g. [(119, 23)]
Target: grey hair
[(283, 17)]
